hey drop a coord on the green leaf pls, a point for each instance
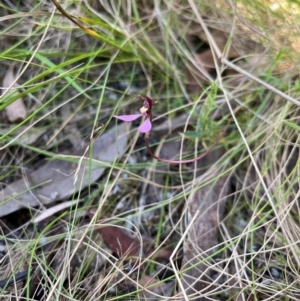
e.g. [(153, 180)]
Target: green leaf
[(192, 134), (292, 125)]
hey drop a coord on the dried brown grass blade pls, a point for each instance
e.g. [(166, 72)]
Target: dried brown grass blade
[(205, 206)]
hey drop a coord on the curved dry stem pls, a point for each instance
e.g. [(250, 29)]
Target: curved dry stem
[(188, 160)]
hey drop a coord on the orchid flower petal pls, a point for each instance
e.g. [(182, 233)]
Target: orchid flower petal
[(128, 117), (146, 126)]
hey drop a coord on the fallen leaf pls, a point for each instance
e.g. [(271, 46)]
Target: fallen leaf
[(125, 245), (28, 137), (232, 47), (15, 111), (240, 42), (53, 210), (55, 180), (154, 288), (205, 206), (119, 241), (199, 74)]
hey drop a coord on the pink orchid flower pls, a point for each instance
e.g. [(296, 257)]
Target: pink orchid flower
[(145, 127), (145, 110)]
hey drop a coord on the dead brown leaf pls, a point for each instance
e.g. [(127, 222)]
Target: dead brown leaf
[(240, 42), (239, 45), (198, 75), (124, 245), (153, 288), (205, 206), (15, 111), (55, 180), (119, 241)]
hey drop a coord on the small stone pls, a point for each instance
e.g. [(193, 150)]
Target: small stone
[(275, 272), (255, 248)]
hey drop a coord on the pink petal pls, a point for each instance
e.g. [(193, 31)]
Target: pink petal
[(128, 117), (145, 126)]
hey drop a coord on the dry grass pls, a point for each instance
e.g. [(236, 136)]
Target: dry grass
[(73, 80)]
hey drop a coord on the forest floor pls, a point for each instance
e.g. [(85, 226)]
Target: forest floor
[(149, 150)]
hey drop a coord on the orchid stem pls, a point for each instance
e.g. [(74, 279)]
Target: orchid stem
[(188, 160)]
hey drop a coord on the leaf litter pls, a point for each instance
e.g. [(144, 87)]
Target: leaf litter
[(55, 180), (17, 110), (203, 212)]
